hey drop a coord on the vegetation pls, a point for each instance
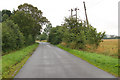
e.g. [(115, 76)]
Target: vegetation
[(103, 62), (7, 12), (0, 50), (21, 27), (76, 35), (19, 31), (12, 38), (48, 28), (45, 34), (55, 36), (0, 16), (10, 61), (108, 47)]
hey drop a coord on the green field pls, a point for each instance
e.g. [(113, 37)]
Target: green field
[(13, 62), (101, 61)]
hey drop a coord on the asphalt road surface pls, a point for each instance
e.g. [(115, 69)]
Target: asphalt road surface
[(49, 61)]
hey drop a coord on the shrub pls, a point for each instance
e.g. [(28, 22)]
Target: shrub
[(55, 36), (12, 38)]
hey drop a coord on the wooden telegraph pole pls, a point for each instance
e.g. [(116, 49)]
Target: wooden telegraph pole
[(86, 14), (71, 12), (76, 12)]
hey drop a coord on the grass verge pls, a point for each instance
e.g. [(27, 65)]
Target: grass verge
[(13, 62), (103, 62)]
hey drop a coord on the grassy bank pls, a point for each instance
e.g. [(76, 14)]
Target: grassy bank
[(103, 62), (13, 62)]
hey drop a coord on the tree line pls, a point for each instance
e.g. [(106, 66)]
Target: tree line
[(20, 27), (75, 34)]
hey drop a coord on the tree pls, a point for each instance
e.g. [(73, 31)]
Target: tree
[(55, 35), (30, 20), (0, 16), (5, 17), (8, 12), (35, 13), (48, 28), (12, 38), (43, 36), (75, 34), (26, 24)]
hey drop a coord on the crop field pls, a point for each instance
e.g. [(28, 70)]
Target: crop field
[(108, 47)]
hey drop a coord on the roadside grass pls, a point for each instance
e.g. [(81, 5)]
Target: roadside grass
[(103, 62), (13, 62)]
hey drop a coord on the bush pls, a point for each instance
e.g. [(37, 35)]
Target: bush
[(29, 40), (55, 35), (43, 36), (75, 34), (12, 38)]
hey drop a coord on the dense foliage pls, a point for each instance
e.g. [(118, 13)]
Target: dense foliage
[(75, 34), (21, 27), (55, 35), (0, 16), (45, 33), (12, 38), (43, 36)]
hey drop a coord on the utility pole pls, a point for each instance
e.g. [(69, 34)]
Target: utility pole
[(76, 12), (86, 14), (71, 12)]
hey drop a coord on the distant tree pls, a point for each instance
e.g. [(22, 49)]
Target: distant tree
[(5, 17), (112, 36), (48, 28), (43, 36), (105, 36), (8, 12), (55, 35)]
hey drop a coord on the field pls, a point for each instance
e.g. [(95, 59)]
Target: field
[(101, 61), (108, 47)]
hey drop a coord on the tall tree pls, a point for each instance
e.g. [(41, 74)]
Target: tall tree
[(26, 24), (35, 13)]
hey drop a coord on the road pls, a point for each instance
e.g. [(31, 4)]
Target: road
[(49, 61)]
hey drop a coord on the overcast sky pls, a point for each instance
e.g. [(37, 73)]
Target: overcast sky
[(102, 14)]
